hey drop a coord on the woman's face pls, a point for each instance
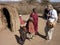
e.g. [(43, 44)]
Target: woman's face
[(49, 7)]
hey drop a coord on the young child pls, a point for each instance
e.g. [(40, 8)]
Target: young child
[(23, 30), (30, 28), (21, 20)]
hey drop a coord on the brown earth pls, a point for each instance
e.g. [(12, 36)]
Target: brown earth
[(8, 38)]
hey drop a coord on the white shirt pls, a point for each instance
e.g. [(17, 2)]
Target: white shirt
[(53, 14)]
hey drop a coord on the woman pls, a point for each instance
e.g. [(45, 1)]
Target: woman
[(35, 20), (51, 21)]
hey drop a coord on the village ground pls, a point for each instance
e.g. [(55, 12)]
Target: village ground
[(8, 38)]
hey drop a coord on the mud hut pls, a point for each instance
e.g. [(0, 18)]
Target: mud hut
[(9, 17)]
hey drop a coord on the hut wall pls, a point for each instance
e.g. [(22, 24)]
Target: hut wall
[(14, 18)]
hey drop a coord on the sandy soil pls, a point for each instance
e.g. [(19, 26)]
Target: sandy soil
[(8, 38)]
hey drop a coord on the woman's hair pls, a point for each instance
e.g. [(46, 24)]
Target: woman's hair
[(50, 5)]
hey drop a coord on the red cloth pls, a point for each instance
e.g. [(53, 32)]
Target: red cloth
[(35, 21), (21, 20), (31, 27)]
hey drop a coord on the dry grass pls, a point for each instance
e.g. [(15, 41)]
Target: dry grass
[(26, 8)]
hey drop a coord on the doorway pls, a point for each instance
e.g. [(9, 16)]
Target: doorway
[(7, 16)]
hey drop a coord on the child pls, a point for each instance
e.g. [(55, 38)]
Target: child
[(21, 20), (23, 30), (30, 28)]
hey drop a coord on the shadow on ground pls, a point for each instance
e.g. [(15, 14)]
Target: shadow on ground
[(42, 17), (42, 36)]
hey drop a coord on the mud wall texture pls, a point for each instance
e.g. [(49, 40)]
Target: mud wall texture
[(9, 18)]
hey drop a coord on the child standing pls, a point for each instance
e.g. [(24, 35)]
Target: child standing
[(30, 28)]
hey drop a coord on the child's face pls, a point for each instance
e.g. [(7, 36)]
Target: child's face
[(31, 19)]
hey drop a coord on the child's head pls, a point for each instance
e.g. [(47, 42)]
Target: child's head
[(24, 28), (30, 19)]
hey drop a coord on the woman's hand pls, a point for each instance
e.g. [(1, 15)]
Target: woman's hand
[(48, 15)]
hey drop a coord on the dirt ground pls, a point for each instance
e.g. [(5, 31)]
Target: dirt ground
[(8, 38)]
